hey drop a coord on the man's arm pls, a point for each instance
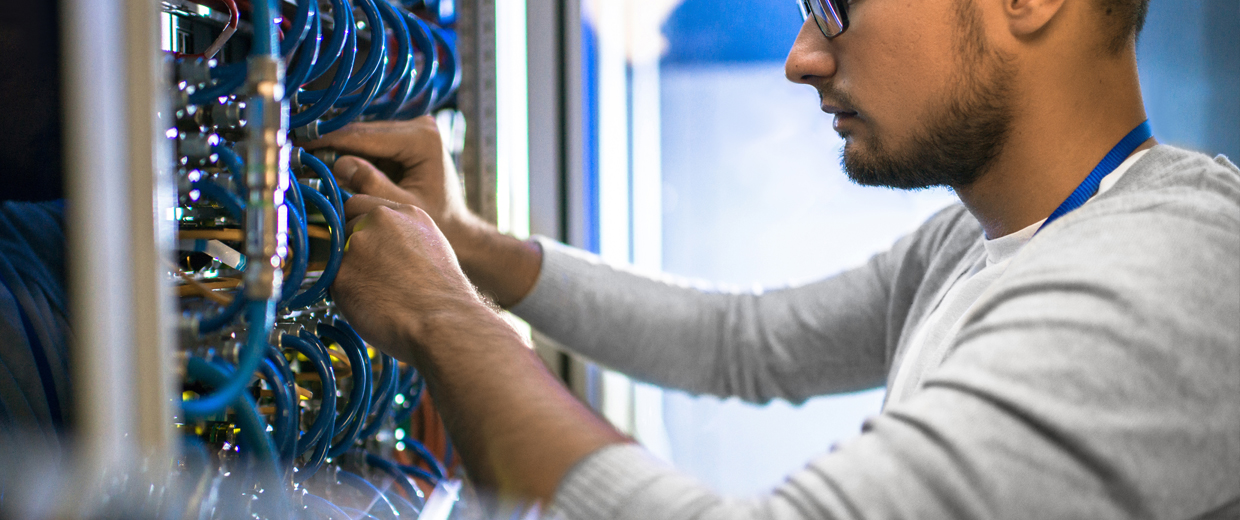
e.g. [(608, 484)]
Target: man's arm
[(518, 430), (422, 174), (830, 336)]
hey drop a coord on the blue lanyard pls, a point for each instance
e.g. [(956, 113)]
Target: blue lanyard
[(1114, 158)]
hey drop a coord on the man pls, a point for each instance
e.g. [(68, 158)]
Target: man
[(1090, 371)]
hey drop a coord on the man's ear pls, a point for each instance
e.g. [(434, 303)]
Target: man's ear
[(1027, 17)]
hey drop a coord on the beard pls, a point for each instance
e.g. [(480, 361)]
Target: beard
[(962, 138)]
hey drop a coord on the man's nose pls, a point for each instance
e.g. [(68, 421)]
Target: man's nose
[(811, 57)]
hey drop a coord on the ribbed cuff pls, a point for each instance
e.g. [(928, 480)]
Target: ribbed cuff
[(604, 481), (555, 281)]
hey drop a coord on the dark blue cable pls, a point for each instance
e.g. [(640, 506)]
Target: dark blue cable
[(419, 101), (386, 391), (377, 53), (301, 26), (231, 203), (232, 162), (318, 291), (228, 78), (341, 12), (324, 425), (403, 65), (307, 53), (260, 317), (402, 481), (354, 110), (326, 98), (329, 180), (234, 206), (284, 408), (403, 75), (254, 436), (447, 82), (349, 422), (299, 246), (411, 400)]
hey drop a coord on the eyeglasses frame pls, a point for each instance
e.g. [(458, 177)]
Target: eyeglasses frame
[(837, 7)]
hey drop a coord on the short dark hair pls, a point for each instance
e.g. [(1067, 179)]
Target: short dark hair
[(1123, 20)]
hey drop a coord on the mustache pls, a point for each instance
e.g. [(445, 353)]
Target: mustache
[(830, 94)]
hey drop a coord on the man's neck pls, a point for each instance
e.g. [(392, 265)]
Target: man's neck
[(1060, 133)]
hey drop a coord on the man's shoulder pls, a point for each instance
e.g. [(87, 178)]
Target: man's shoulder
[(1177, 184)]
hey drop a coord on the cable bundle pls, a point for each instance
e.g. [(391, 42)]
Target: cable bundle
[(292, 432)]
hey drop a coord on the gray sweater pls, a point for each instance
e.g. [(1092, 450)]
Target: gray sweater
[(1098, 378)]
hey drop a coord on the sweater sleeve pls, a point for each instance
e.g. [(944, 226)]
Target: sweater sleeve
[(833, 335), (1098, 380)]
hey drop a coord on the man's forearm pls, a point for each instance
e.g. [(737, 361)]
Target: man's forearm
[(518, 429), (504, 267)]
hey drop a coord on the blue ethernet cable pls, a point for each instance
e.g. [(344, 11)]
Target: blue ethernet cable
[(412, 399), (329, 180), (323, 428), (235, 207), (324, 99), (253, 430), (221, 196), (228, 78), (299, 246), (301, 27), (399, 85), (307, 53), (422, 97), (447, 83), (377, 53), (318, 291), (342, 11), (438, 471), (260, 316), (355, 109), (349, 422), (382, 401), (284, 409), (231, 161), (318, 357), (403, 66)]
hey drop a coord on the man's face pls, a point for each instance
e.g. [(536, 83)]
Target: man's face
[(919, 97)]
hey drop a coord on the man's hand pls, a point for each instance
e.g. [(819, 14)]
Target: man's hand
[(518, 429), (412, 152), (398, 275)]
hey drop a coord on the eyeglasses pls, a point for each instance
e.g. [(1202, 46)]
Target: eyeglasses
[(830, 15)]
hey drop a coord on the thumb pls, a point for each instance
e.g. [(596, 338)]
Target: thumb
[(360, 176)]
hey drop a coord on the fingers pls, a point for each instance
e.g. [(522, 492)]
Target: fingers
[(358, 206), (360, 176), (383, 139)]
